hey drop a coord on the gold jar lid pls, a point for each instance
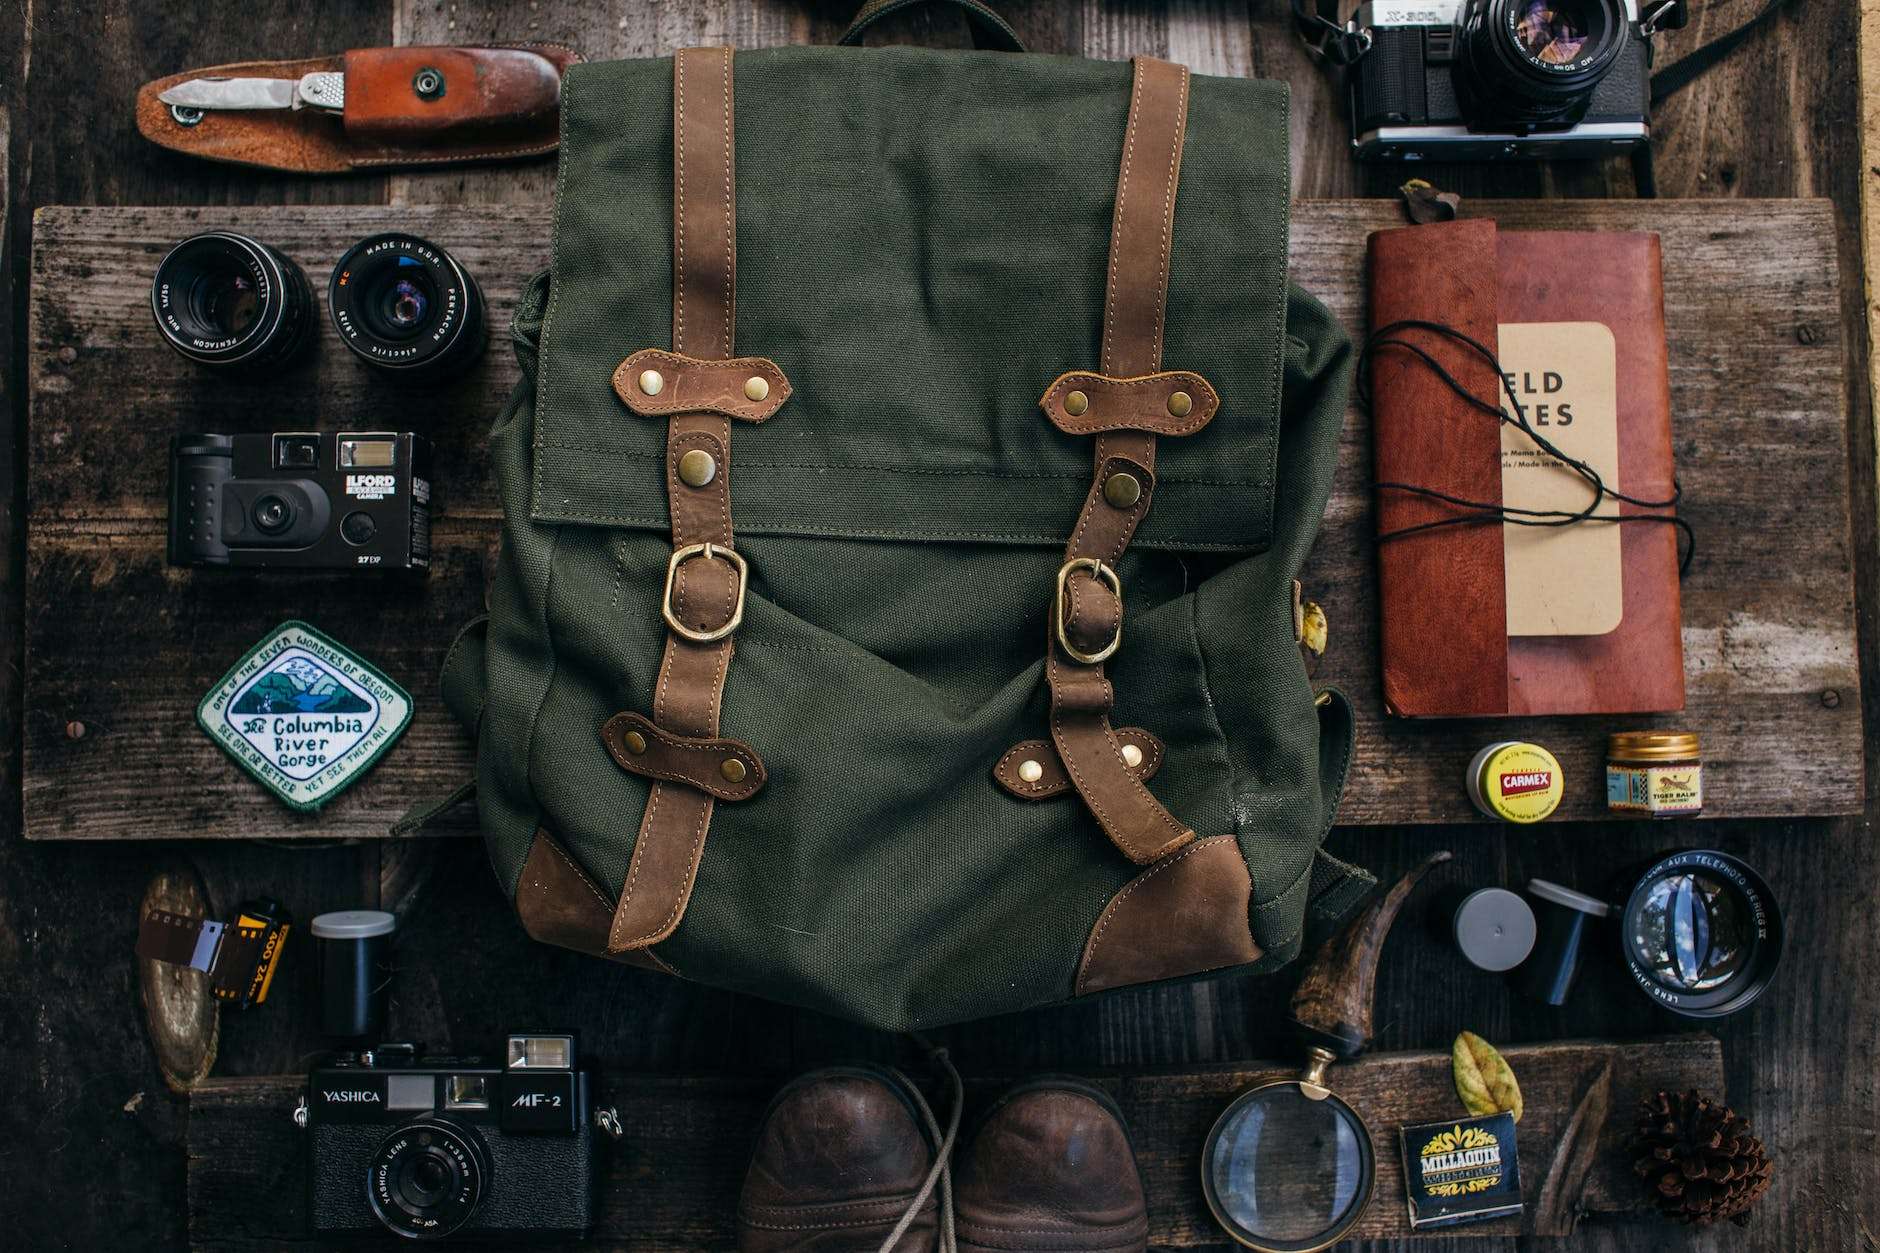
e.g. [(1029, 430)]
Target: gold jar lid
[(1652, 746)]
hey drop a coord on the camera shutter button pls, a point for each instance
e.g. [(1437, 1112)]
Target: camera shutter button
[(358, 527)]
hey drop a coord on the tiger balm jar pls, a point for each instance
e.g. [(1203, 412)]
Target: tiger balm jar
[(1654, 774)]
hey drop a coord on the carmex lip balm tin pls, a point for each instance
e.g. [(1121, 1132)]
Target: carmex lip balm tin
[(1515, 781)]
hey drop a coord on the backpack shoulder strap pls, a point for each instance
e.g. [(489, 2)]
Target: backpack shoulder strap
[(1126, 404)]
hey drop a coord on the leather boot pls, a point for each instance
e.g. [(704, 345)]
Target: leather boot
[(841, 1155), (1051, 1169)]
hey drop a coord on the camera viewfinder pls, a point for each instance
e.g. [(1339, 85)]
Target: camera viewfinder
[(296, 452)]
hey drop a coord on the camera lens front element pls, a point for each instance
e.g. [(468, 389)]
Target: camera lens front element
[(404, 305), (227, 301), (272, 514), (428, 1178), (1532, 65)]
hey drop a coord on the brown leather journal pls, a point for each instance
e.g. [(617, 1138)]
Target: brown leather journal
[(1447, 651)]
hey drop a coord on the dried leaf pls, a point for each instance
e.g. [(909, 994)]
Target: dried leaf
[(1483, 1079), (1316, 629)]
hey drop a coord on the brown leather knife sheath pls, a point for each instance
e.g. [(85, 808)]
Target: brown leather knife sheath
[(492, 103)]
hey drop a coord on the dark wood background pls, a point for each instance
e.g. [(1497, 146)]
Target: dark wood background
[(91, 1142)]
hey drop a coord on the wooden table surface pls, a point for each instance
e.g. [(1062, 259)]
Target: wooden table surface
[(93, 1144)]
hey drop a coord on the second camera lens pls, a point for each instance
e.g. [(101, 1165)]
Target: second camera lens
[(404, 305)]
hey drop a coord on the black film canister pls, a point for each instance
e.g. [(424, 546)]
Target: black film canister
[(1564, 917), (355, 971)]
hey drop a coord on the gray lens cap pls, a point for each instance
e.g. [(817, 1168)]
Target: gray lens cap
[(1494, 929), (1548, 891), (353, 924)]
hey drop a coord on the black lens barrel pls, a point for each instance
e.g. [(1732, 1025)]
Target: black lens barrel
[(230, 302), (405, 306), (1506, 85)]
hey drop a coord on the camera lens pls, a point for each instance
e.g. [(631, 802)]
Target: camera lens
[(427, 1178), (404, 305), (225, 300), (272, 514), (1527, 65), (1701, 933)]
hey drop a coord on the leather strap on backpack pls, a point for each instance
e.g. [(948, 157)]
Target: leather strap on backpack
[(1127, 404), (705, 581)]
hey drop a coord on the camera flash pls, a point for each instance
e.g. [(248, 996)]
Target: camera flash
[(367, 453), (541, 1052)]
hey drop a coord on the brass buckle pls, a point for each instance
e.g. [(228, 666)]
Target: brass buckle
[(1097, 571), (679, 557)]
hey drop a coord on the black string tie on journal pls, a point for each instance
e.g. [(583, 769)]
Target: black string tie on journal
[(1479, 512)]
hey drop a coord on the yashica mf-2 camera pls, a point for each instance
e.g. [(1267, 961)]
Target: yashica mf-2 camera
[(1479, 80), (429, 1147), (351, 500)]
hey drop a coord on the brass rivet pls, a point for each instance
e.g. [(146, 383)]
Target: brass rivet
[(1180, 404), (635, 742), (697, 468), (652, 382), (1076, 403), (1030, 771), (1132, 756), (1122, 489), (732, 769), (756, 387)]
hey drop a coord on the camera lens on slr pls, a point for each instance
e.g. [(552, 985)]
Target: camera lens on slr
[(404, 305), (272, 514), (427, 1178), (227, 301), (1533, 64)]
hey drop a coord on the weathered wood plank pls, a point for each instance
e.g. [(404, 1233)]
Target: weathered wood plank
[(673, 1181), (1758, 393)]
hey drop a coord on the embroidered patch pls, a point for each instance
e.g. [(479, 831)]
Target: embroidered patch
[(304, 715)]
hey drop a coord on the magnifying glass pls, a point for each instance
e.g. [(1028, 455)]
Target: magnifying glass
[(1289, 1167)]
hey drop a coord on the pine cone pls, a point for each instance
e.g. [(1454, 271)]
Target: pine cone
[(1698, 1159)]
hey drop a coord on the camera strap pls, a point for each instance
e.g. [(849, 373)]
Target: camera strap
[(1686, 69), (1341, 45)]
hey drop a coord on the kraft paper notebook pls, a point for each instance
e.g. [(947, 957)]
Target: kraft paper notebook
[(1489, 618)]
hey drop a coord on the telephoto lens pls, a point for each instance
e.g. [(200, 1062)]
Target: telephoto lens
[(1535, 63), (230, 302), (405, 306)]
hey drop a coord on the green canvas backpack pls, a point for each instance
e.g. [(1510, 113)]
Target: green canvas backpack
[(834, 654)]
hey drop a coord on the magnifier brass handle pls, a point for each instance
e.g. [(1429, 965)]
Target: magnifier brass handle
[(1333, 1005)]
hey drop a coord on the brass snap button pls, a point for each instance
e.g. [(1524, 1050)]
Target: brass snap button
[(652, 382), (1132, 756), (1180, 404), (1076, 403), (697, 468), (1122, 490), (732, 769), (1030, 771), (757, 387), (635, 742)]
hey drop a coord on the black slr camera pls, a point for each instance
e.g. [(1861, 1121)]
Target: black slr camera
[(1483, 80), (351, 500), (429, 1147)]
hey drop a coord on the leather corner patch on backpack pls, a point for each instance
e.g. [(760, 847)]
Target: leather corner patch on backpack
[(304, 715)]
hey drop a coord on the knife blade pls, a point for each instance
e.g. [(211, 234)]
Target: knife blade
[(325, 91)]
